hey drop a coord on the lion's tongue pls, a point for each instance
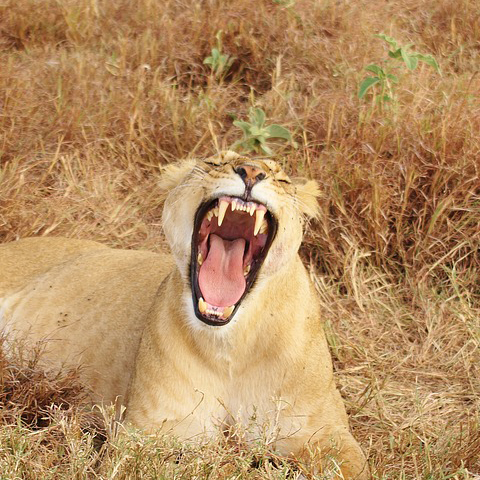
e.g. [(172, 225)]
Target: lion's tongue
[(221, 277)]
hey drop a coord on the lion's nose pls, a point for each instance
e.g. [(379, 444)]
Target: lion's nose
[(250, 174)]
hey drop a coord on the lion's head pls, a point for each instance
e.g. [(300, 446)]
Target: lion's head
[(232, 220)]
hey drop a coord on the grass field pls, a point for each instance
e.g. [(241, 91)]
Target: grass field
[(97, 95)]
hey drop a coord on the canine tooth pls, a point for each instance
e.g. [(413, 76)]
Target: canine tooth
[(259, 214), (246, 270), (234, 205), (227, 311), (202, 305), (264, 227), (221, 211), (200, 258)]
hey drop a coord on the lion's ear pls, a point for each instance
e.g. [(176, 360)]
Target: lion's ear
[(174, 173), (307, 193)]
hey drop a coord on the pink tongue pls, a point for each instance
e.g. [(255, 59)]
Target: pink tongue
[(221, 277)]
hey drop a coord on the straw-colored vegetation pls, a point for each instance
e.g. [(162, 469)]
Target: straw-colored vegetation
[(96, 95)]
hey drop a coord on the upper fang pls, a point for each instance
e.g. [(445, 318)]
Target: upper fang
[(258, 220), (222, 208)]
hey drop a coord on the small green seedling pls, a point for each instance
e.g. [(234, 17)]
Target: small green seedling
[(256, 133), (219, 62), (383, 79)]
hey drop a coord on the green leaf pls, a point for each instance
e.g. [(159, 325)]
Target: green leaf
[(244, 126), (410, 61), (367, 83), (390, 40), (396, 54), (266, 149), (257, 116), (375, 69), (392, 77), (255, 131), (243, 145), (429, 60), (276, 131)]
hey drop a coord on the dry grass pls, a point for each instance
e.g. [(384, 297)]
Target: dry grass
[(95, 95)]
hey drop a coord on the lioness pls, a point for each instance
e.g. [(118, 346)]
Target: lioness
[(225, 330)]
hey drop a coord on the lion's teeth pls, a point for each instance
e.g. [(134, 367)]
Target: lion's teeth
[(228, 311), (234, 205), (222, 208), (202, 305), (210, 215), (252, 210), (200, 258), (264, 227), (215, 211), (258, 220), (246, 270)]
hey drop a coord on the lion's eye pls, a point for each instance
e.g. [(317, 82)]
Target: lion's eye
[(213, 162), (283, 178)]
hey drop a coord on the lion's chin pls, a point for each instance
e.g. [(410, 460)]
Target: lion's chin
[(230, 242)]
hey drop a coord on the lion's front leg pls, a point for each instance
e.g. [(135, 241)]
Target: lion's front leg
[(334, 452), (342, 450)]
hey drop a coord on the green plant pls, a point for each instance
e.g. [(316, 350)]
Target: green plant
[(219, 62), (384, 80), (285, 3), (256, 133)]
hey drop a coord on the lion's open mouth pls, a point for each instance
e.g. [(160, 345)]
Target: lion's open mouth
[(230, 241)]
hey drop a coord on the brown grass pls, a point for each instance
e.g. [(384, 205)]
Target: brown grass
[(95, 95)]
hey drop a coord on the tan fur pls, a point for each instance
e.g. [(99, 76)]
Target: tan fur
[(127, 318)]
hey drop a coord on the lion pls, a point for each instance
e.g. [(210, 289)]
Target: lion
[(225, 330)]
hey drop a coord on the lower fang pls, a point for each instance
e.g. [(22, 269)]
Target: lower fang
[(227, 311), (202, 305)]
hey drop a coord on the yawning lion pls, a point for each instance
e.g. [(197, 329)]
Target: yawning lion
[(225, 330)]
